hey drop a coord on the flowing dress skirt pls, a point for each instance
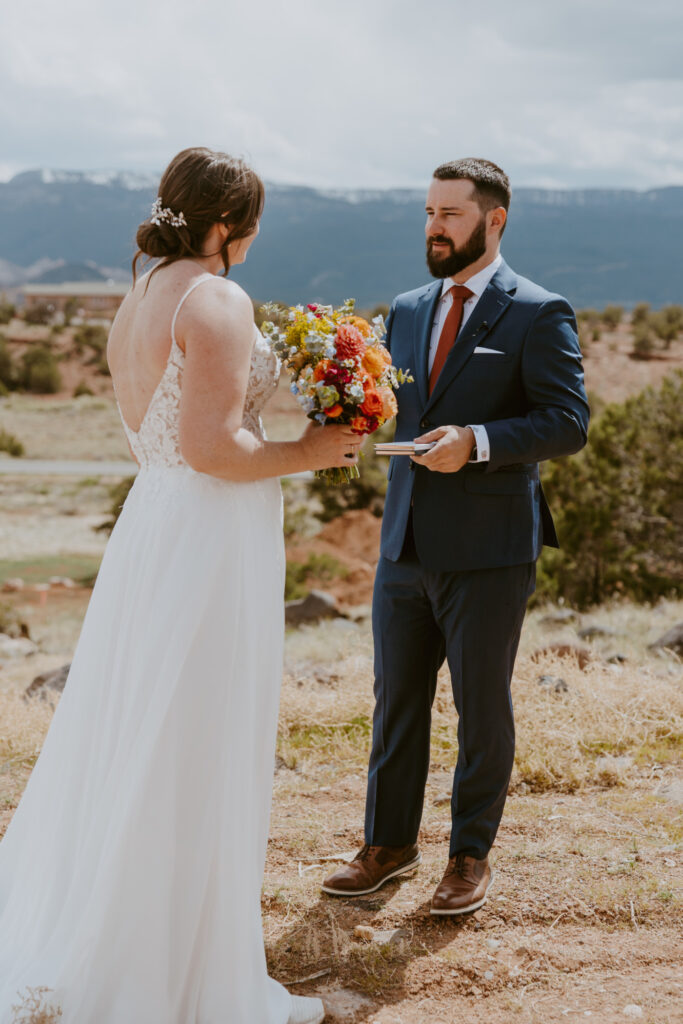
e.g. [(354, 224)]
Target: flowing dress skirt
[(130, 875)]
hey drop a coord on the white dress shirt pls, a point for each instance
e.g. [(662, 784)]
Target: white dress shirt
[(477, 285)]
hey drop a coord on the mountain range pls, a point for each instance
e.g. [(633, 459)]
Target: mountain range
[(595, 246)]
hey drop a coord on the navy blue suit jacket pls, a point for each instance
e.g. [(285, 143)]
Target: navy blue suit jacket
[(531, 400)]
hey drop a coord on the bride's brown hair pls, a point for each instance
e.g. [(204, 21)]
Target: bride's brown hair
[(206, 187)]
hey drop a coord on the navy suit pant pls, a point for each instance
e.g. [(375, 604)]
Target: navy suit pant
[(420, 618)]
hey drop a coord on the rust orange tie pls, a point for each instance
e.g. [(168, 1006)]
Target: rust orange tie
[(449, 331)]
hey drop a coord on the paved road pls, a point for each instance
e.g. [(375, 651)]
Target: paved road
[(68, 467)]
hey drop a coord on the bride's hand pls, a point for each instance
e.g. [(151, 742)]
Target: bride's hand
[(333, 444)]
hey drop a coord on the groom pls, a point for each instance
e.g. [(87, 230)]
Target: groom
[(499, 388)]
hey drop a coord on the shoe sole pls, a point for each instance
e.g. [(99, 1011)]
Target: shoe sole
[(364, 892), (465, 910)]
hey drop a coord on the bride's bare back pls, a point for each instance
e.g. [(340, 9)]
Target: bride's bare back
[(140, 339)]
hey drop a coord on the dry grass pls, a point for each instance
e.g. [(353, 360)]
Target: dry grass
[(35, 1008), (611, 721), (589, 857)]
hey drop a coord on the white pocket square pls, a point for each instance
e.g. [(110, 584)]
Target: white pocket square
[(480, 350)]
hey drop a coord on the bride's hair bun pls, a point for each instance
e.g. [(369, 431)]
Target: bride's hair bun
[(159, 241), (199, 188)]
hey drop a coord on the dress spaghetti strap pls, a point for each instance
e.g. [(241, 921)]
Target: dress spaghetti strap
[(200, 280)]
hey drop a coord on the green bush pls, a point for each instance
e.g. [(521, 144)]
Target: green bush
[(619, 505), (82, 389), (118, 494), (368, 491), (322, 567), (10, 444), (7, 310), (38, 313), (39, 371), (643, 341), (70, 310), (665, 326), (8, 371), (611, 316), (92, 336), (641, 313)]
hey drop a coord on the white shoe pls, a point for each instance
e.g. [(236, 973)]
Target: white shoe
[(306, 1011)]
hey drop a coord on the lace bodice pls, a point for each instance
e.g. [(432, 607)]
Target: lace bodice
[(157, 442)]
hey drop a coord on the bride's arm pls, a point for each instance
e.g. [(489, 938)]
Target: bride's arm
[(216, 327)]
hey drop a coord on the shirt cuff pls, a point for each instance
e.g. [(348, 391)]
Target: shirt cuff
[(482, 452)]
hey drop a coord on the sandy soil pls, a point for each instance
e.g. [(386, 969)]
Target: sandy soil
[(584, 916)]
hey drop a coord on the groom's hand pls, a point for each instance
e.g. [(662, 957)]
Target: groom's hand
[(452, 451)]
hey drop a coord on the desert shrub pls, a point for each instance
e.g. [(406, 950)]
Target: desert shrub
[(39, 371), (666, 324), (7, 310), (70, 310), (641, 313), (643, 340), (10, 444), (590, 317), (38, 313), (611, 316), (321, 567), (82, 389), (619, 505), (595, 333), (368, 491), (8, 371), (118, 494), (92, 336)]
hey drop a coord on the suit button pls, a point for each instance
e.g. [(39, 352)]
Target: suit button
[(425, 424)]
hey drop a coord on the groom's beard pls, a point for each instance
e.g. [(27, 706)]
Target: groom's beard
[(457, 259)]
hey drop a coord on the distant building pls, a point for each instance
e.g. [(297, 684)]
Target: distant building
[(93, 298)]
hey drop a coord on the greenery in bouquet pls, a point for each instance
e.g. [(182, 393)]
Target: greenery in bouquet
[(340, 370)]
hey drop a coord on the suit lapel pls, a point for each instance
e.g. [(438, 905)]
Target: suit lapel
[(491, 306), (424, 319)]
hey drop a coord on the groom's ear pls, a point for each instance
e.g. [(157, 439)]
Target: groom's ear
[(498, 219)]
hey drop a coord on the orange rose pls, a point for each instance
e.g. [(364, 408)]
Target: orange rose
[(386, 355), (389, 403), (358, 322), (373, 404), (334, 411), (321, 369), (359, 425), (373, 361)]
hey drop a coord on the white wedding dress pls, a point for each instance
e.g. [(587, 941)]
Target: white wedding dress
[(130, 875)]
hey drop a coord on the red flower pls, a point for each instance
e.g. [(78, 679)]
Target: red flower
[(336, 376), (312, 306), (364, 424)]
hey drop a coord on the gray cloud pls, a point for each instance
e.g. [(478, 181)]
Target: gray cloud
[(349, 93)]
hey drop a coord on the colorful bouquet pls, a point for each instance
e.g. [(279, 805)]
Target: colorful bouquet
[(340, 370)]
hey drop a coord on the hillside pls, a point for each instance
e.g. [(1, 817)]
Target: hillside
[(595, 246)]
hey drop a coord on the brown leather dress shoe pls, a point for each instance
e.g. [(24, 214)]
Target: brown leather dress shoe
[(371, 868), (464, 887)]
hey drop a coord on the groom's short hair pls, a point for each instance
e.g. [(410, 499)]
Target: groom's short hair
[(491, 183)]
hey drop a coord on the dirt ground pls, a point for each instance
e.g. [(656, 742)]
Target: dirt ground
[(584, 919), (584, 915)]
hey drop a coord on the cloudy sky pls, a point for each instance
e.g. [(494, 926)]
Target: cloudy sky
[(348, 93)]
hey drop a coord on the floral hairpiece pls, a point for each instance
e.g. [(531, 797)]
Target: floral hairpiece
[(164, 214)]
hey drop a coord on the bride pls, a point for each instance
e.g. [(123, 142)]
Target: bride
[(130, 875)]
